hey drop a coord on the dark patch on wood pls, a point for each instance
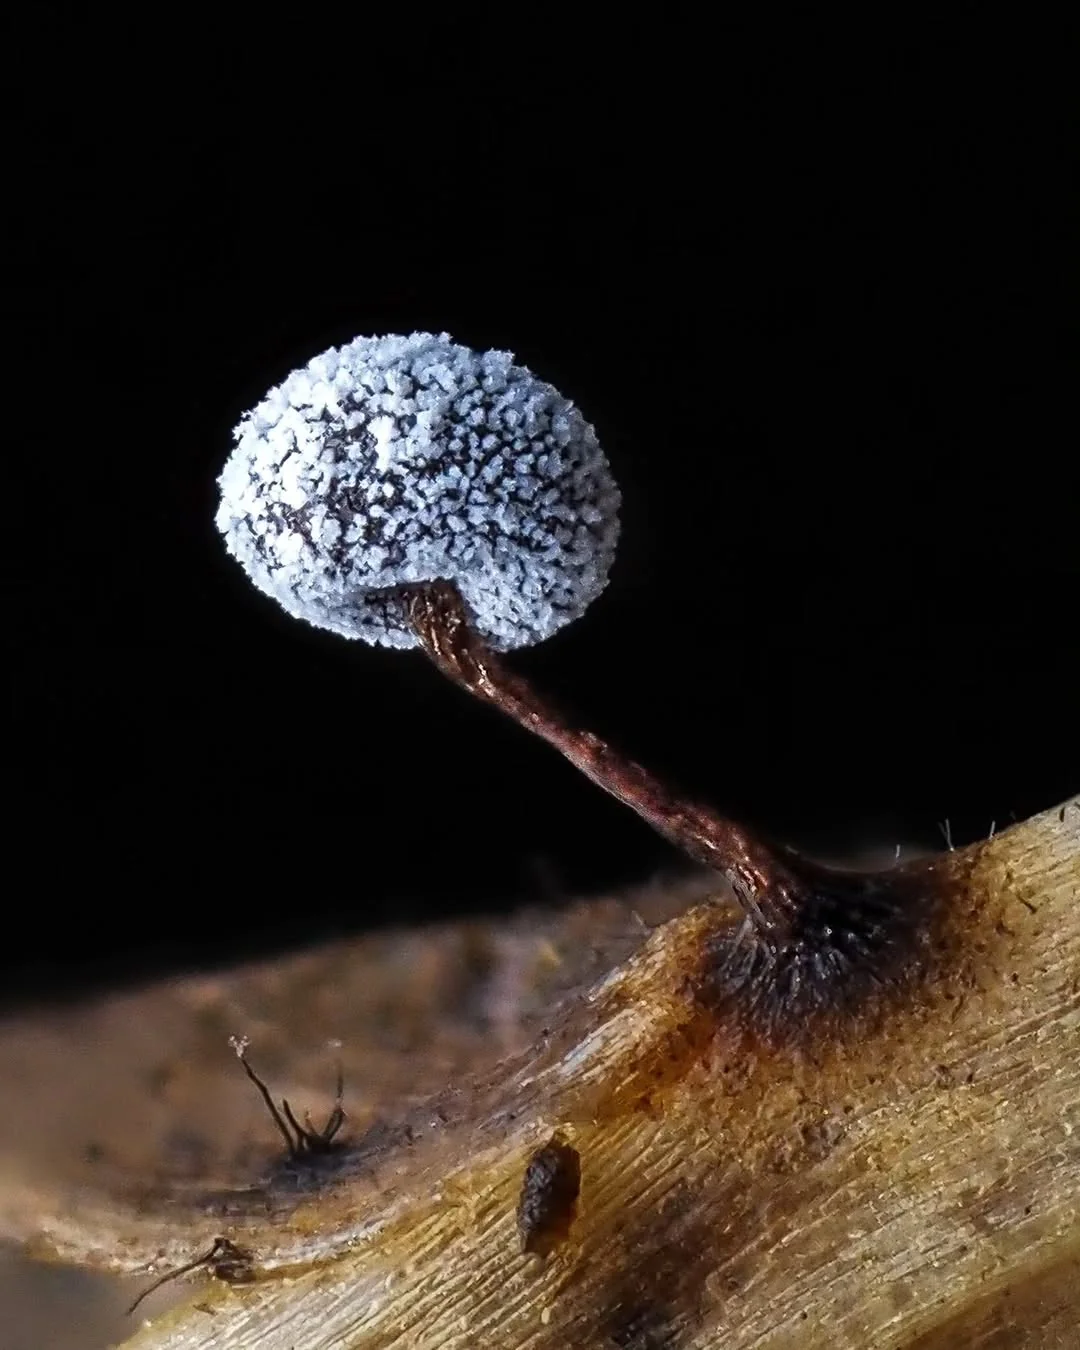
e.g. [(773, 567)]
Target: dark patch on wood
[(672, 1267), (1038, 1309), (307, 1174), (653, 1298), (643, 1326), (849, 942), (548, 1199)]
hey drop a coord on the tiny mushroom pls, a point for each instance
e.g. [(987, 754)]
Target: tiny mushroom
[(415, 493)]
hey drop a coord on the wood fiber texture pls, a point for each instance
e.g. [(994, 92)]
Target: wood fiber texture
[(904, 1173)]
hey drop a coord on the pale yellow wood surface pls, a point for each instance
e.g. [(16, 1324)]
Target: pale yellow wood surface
[(912, 1180)]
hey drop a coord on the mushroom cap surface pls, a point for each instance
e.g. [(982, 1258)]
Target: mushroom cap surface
[(397, 460)]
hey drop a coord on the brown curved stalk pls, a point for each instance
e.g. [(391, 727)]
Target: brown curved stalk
[(439, 617)]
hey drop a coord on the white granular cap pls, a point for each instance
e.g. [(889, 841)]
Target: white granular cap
[(395, 460)]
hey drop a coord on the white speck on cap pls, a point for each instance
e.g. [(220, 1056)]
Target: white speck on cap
[(395, 460)]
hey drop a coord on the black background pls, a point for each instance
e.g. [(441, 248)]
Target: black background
[(812, 286)]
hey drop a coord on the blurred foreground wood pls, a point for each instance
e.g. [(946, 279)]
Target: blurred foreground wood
[(908, 1177)]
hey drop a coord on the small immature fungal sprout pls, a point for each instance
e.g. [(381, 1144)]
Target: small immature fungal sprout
[(300, 1140), (411, 492)]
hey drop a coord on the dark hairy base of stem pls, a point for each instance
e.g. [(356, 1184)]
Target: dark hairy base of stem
[(853, 938)]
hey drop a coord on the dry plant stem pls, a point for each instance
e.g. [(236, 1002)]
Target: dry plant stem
[(761, 882)]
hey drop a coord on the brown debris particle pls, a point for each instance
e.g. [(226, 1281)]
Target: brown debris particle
[(549, 1195)]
